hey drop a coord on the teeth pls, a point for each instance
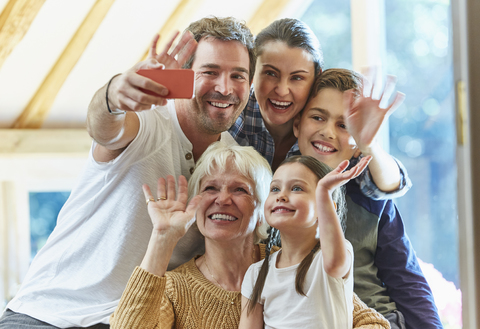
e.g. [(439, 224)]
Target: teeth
[(223, 217), (281, 210), (323, 148), (222, 105), (283, 104)]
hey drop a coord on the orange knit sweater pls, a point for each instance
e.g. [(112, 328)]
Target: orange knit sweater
[(185, 299)]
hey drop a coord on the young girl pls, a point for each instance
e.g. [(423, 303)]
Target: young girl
[(309, 282)]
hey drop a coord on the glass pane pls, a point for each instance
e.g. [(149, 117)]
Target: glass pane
[(422, 130), (331, 23), (44, 209), (422, 136)]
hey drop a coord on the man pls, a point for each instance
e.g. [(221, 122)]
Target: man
[(77, 279)]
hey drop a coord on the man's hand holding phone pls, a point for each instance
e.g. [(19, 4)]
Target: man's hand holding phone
[(180, 82), (137, 88)]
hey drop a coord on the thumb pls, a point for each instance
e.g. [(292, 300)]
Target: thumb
[(194, 204)]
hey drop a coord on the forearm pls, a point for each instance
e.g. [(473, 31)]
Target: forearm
[(383, 168), (111, 131), (159, 251), (400, 271), (143, 304), (336, 258), (365, 317)]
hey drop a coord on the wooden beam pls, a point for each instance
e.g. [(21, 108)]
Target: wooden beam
[(37, 110), (15, 21), (44, 141), (6, 12), (267, 12), (179, 20)]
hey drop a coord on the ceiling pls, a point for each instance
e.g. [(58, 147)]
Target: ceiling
[(54, 54)]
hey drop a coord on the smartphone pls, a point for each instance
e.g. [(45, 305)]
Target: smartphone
[(180, 83)]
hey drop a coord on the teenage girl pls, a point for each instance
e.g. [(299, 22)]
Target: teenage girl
[(309, 282)]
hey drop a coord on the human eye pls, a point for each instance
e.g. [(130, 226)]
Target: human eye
[(297, 188), (239, 77), (271, 73), (209, 73), (209, 188), (342, 125), (241, 189), (298, 78), (274, 189), (317, 118)]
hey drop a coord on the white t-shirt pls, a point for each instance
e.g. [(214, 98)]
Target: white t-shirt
[(329, 301), (103, 230)]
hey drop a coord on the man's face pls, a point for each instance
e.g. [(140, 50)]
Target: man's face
[(221, 84), (321, 129)]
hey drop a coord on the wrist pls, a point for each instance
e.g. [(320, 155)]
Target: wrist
[(115, 111), (370, 149)]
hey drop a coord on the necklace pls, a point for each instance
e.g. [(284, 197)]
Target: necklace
[(218, 283)]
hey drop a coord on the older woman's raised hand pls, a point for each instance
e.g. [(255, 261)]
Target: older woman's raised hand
[(169, 212)]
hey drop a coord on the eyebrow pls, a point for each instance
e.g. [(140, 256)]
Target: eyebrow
[(218, 67), (276, 69), (292, 181)]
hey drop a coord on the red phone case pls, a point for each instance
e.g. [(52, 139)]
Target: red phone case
[(180, 83)]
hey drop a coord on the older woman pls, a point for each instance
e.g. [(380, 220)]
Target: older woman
[(231, 185)]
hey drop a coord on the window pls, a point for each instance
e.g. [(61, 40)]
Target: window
[(421, 131), (44, 209)]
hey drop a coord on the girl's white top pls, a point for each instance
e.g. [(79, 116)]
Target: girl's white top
[(329, 301)]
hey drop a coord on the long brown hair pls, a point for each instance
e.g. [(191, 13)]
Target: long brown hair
[(320, 170)]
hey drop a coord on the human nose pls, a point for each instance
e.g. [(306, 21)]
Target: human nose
[(282, 88), (224, 85), (223, 198), (327, 131), (282, 197)]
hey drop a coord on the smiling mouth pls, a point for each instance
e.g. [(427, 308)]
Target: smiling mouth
[(323, 148), (223, 217), (220, 105), (281, 210), (280, 105)]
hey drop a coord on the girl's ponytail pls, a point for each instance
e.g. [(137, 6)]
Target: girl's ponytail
[(303, 269), (262, 275)]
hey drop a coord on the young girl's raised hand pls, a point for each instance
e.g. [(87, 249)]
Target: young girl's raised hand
[(339, 176)]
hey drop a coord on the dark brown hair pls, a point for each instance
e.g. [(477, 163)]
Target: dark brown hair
[(320, 170), (296, 34), (339, 79), (225, 29)]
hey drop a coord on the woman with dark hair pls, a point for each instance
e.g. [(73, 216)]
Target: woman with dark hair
[(289, 57)]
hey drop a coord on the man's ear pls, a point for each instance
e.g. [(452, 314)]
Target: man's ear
[(296, 124)]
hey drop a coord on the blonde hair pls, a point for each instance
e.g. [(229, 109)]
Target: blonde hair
[(248, 162)]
